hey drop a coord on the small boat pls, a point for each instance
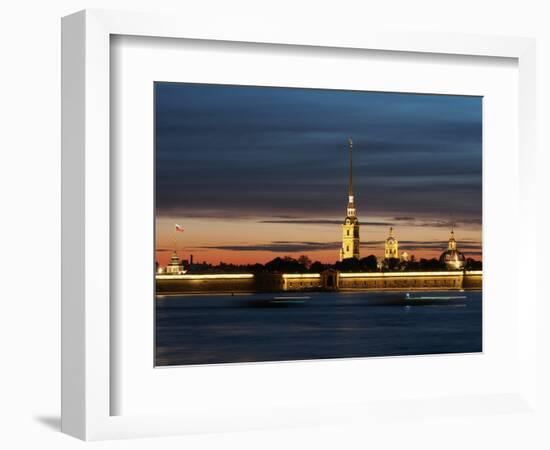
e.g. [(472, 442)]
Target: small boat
[(432, 298), (288, 299), (276, 301), (409, 300), (423, 300)]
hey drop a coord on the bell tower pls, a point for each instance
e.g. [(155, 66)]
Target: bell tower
[(350, 227), (391, 248)]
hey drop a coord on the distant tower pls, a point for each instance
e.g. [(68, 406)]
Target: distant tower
[(350, 227), (174, 267), (392, 246)]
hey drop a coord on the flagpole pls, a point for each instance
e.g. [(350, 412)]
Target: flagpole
[(175, 231)]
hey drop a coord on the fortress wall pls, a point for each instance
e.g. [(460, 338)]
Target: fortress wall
[(408, 282), (173, 284), (473, 280), (313, 282), (302, 282), (178, 284)]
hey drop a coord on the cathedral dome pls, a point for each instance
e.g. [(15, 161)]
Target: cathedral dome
[(452, 258)]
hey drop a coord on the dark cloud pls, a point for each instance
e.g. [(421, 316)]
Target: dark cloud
[(443, 223), (407, 218), (235, 151), (323, 222), (426, 245), (299, 246), (280, 246), (401, 221)]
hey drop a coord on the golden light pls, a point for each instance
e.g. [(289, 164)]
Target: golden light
[(408, 274), (206, 277), (301, 275)]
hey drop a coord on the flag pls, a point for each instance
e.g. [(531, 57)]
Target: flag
[(179, 228)]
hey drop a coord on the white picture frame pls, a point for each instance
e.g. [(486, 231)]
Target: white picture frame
[(87, 386)]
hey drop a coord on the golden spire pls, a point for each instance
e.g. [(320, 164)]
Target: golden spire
[(350, 192), (350, 227), (351, 201), (452, 241)]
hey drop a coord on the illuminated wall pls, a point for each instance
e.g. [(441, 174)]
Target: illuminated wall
[(328, 280), (410, 280)]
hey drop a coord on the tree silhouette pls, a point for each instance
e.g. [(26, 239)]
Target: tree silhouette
[(304, 261), (318, 267), (369, 264), (472, 264), (348, 265), (285, 265)]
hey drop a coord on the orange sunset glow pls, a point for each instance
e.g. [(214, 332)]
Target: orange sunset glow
[(205, 241), (254, 173)]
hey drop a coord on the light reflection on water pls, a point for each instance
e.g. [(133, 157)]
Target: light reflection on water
[(200, 329)]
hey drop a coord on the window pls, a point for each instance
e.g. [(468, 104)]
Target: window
[(348, 232)]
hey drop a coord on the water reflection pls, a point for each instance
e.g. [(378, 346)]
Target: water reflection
[(201, 329)]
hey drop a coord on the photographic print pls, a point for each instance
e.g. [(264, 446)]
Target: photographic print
[(299, 224)]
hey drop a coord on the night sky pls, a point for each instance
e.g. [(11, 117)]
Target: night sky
[(254, 172)]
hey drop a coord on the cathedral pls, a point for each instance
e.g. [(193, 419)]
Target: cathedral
[(452, 258), (350, 227), (391, 248)]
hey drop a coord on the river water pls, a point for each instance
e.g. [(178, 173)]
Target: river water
[(198, 329)]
